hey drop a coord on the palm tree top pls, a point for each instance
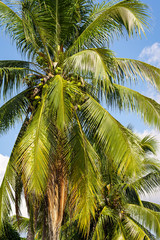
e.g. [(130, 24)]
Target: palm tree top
[(66, 132)]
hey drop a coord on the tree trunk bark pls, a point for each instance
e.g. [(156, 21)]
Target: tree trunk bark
[(30, 235), (57, 195), (45, 220)]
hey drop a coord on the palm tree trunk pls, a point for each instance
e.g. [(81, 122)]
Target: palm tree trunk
[(45, 220), (30, 235), (57, 195)]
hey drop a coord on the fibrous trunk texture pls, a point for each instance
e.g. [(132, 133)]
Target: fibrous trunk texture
[(30, 235), (57, 195)]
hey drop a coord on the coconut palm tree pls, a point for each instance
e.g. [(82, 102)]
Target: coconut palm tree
[(122, 214), (69, 71)]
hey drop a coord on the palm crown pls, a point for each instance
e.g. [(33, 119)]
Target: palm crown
[(65, 129), (121, 214)]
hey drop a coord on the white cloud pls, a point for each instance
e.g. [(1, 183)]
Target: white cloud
[(154, 133), (152, 197), (151, 92), (3, 165), (151, 54), (24, 208)]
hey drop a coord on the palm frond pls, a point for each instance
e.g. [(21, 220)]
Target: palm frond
[(109, 19), (18, 194), (14, 110), (119, 233), (22, 225), (132, 195), (131, 69), (70, 14), (148, 183), (84, 178), (151, 165), (105, 214), (150, 177), (95, 62), (59, 95), (149, 144), (6, 13), (12, 73), (6, 191), (148, 218), (28, 26), (11, 22), (133, 230), (153, 206), (128, 99), (115, 140), (38, 30), (33, 151)]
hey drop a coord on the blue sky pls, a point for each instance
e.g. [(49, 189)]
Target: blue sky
[(129, 48)]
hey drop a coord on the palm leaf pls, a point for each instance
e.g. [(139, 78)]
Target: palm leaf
[(6, 191), (14, 110), (12, 73), (22, 225), (11, 22), (153, 206), (84, 178), (148, 183), (33, 151), (119, 233), (105, 214), (149, 144), (148, 218), (133, 230), (39, 29), (115, 140), (59, 95), (93, 62), (150, 177), (132, 69), (109, 19), (130, 100)]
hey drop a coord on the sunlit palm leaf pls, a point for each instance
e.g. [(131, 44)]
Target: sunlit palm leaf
[(133, 230), (149, 178), (149, 144), (128, 99), (113, 137), (148, 183), (95, 62), (132, 69), (84, 178), (59, 96), (33, 152), (119, 233), (148, 218), (109, 19)]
